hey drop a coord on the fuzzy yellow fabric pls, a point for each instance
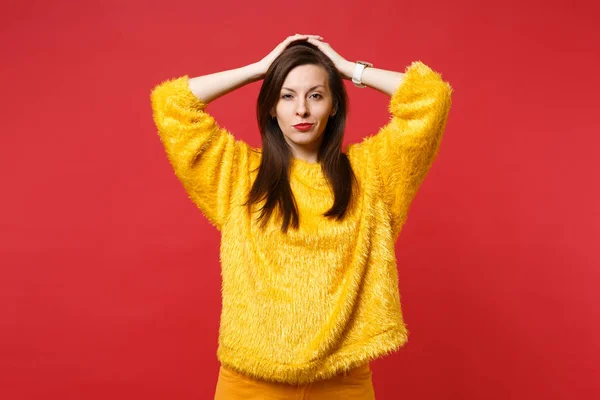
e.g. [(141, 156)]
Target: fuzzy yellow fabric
[(311, 303)]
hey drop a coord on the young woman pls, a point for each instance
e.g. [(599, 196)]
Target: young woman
[(309, 279)]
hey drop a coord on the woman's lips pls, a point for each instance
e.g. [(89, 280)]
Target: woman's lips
[(303, 127)]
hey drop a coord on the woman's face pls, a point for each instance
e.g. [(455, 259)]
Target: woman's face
[(304, 98)]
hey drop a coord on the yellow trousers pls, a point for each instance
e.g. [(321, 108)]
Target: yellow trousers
[(356, 384)]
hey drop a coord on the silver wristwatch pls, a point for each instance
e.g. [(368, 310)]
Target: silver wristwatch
[(358, 71)]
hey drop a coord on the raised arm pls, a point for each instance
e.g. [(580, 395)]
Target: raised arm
[(379, 79), (404, 149), (213, 86), (203, 154)]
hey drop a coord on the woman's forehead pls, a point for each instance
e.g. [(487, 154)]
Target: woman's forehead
[(305, 77)]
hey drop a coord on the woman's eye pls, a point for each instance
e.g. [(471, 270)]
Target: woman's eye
[(285, 96), (317, 94)]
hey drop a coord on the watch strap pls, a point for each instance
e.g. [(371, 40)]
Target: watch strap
[(358, 71)]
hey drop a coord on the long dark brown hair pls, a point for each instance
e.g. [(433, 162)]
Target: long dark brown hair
[(272, 181)]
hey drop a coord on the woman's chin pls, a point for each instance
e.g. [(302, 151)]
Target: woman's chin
[(303, 138)]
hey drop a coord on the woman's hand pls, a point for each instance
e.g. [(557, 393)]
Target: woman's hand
[(264, 64), (343, 66)]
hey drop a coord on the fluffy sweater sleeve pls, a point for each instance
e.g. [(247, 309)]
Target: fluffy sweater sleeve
[(203, 154), (403, 150)]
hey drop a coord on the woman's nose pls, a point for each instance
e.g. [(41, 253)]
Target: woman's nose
[(302, 109)]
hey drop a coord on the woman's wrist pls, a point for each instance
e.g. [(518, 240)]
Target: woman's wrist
[(257, 71), (347, 69)]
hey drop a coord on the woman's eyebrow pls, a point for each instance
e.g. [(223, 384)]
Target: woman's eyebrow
[(312, 88)]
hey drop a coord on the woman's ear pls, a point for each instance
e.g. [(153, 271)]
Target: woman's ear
[(334, 109)]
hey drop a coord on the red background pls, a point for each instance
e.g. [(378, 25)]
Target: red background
[(109, 279)]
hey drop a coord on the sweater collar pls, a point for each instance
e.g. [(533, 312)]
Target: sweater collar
[(308, 173)]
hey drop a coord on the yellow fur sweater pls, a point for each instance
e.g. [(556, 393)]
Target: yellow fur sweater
[(313, 302)]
